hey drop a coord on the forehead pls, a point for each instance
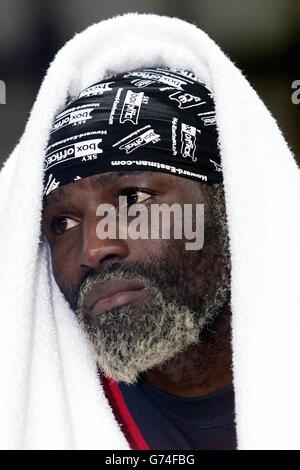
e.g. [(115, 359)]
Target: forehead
[(94, 182), (103, 180)]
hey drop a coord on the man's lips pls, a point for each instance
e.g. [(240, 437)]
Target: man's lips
[(114, 293)]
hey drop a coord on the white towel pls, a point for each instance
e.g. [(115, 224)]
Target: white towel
[(50, 396)]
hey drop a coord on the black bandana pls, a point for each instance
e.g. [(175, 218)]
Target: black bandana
[(156, 119)]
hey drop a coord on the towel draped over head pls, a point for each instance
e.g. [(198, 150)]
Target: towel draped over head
[(50, 394)]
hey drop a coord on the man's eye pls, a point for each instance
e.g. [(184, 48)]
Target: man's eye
[(136, 196), (62, 223)]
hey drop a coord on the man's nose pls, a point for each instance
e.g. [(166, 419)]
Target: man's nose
[(97, 253)]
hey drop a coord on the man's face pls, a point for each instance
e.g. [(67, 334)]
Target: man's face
[(138, 301)]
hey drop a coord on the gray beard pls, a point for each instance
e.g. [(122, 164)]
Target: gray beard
[(127, 341)]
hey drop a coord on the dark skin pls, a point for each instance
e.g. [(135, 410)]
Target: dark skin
[(77, 251)]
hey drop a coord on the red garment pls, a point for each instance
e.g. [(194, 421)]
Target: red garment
[(123, 415)]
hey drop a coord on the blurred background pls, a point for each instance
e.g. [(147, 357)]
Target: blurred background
[(260, 36)]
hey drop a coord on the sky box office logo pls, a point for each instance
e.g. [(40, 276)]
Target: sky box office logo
[(188, 141), (73, 118), (95, 90), (132, 106), (77, 150)]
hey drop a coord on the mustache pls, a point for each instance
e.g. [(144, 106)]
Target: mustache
[(150, 273), (160, 271)]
